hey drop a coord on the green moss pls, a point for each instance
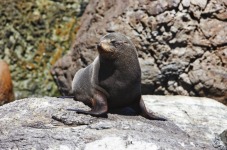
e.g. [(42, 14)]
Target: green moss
[(34, 35)]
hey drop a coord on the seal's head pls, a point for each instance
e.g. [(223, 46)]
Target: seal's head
[(114, 45)]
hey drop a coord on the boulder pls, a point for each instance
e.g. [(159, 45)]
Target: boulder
[(44, 123), (199, 116), (181, 44)]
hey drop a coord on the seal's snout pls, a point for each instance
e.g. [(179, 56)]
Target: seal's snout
[(99, 47), (104, 46)]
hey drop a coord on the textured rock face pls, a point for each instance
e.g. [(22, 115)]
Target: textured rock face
[(181, 44), (44, 123)]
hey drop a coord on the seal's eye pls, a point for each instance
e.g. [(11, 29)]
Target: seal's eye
[(113, 42), (116, 43)]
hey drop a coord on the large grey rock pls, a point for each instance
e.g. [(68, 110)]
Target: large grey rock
[(181, 44), (44, 123), (200, 116)]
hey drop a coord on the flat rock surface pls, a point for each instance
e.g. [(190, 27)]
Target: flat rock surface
[(44, 123)]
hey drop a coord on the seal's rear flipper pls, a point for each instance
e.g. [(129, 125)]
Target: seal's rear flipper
[(99, 106), (149, 115)]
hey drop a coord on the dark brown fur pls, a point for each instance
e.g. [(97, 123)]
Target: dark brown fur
[(113, 80)]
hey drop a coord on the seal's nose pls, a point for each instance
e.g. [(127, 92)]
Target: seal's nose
[(99, 45), (104, 46)]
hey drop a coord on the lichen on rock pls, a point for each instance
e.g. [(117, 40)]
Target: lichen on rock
[(34, 35)]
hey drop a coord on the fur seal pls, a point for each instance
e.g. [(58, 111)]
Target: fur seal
[(112, 80), (6, 85)]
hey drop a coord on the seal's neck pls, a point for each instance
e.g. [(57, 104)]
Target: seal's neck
[(123, 63)]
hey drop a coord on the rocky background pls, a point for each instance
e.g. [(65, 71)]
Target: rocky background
[(33, 35), (182, 44)]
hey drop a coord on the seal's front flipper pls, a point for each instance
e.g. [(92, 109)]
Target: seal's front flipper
[(149, 115), (65, 96), (99, 106)]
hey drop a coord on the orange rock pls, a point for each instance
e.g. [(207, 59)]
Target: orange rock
[(6, 85)]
